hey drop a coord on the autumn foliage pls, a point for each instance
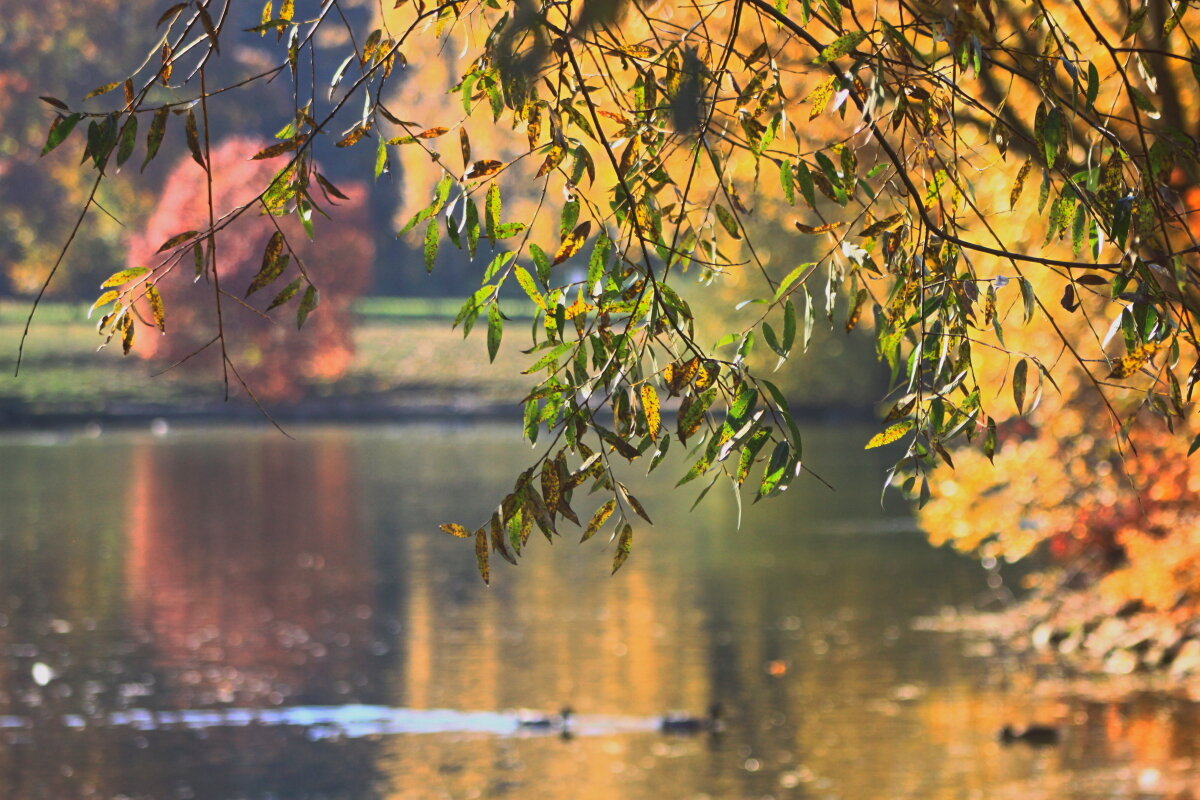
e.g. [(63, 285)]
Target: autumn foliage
[(269, 353), (1094, 478)]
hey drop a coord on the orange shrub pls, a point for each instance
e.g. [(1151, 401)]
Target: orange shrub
[(267, 350)]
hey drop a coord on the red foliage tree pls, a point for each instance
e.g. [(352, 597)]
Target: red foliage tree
[(275, 359)]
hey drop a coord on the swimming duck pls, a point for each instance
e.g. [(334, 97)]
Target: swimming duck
[(688, 724), (1036, 735), (545, 722)]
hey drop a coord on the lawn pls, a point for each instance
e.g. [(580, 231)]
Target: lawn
[(408, 357)]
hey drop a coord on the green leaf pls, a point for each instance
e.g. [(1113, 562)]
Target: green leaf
[(805, 179), (989, 443), (1020, 376), (599, 260), (541, 262), (750, 452), (1143, 102), (175, 241), (1055, 129), (154, 137), (776, 470), (307, 303), (527, 283), (727, 221), (472, 227), (495, 330), (60, 129), (1028, 297), (193, 139), (381, 159), (788, 179), (432, 240), (127, 139), (840, 47), (289, 291), (569, 218), (492, 209)]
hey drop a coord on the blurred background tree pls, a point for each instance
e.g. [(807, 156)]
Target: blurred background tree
[(272, 356)]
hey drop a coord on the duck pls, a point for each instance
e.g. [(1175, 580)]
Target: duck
[(545, 722), (689, 724), (1036, 735)]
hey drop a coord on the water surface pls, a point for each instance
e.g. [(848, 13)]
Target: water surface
[(227, 614)]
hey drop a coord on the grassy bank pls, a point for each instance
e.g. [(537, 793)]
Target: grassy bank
[(408, 360), (407, 357)]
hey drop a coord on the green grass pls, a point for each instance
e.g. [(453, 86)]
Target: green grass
[(406, 354)]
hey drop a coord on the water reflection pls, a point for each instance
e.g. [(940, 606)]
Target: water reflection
[(231, 614)]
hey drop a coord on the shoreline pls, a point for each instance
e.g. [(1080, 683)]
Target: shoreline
[(336, 410)]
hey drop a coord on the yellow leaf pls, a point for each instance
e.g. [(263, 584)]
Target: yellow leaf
[(157, 310), (354, 136), (891, 434), (481, 556), (1019, 183), (553, 159), (598, 519), (432, 133), (280, 149), (653, 412), (1134, 360), (551, 486), (578, 307), (624, 547), (820, 96), (887, 223), (629, 154), (708, 373), (680, 374), (103, 300), (454, 529), (534, 131), (636, 50), (573, 242), (828, 226)]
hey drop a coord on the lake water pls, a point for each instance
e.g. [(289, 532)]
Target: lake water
[(228, 614)]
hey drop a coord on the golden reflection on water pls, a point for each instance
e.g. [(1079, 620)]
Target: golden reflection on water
[(240, 569)]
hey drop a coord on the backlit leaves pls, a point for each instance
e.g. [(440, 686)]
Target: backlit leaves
[(598, 519), (482, 169), (892, 434), (573, 242), (624, 546), (273, 263), (840, 47), (1134, 360), (651, 407)]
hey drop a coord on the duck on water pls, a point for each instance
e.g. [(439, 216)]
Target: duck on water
[(532, 721), (690, 724)]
